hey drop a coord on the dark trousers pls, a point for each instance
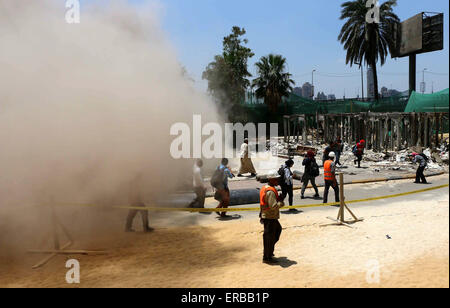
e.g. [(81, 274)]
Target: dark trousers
[(287, 190), (199, 202), (224, 195), (272, 233), (420, 176), (133, 213), (338, 158), (335, 186), (358, 159), (306, 180)]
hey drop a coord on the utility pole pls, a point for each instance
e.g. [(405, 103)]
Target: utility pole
[(412, 73)]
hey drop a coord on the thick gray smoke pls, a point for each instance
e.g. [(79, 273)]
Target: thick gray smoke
[(86, 107)]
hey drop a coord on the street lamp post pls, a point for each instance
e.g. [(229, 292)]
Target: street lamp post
[(422, 86)]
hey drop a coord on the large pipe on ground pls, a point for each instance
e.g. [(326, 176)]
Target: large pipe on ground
[(263, 177)]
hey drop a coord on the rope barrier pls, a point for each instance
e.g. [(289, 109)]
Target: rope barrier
[(220, 210)]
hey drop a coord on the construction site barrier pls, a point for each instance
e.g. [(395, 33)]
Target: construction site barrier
[(212, 210), (365, 181), (59, 249)]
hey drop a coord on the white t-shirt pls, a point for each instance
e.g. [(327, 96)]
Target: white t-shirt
[(244, 150), (198, 179)]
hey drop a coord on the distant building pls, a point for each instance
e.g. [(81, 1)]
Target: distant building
[(307, 90), (385, 92), (298, 91), (370, 83), (321, 96), (331, 97)]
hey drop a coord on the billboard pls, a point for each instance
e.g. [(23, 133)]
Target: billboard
[(433, 33), (419, 34), (411, 35)]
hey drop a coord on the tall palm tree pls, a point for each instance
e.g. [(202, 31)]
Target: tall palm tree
[(273, 82), (368, 42)]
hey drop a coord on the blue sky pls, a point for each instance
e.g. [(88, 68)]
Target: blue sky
[(305, 32)]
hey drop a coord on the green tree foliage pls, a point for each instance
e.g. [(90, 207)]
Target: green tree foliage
[(368, 42), (228, 74), (273, 82)]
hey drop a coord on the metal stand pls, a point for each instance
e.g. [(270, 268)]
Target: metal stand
[(341, 215), (58, 249)]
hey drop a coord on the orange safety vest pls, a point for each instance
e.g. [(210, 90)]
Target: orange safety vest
[(262, 196), (329, 176)]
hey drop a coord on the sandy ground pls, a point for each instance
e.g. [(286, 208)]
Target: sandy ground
[(228, 254)]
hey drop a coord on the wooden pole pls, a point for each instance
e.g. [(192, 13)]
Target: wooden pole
[(341, 197)]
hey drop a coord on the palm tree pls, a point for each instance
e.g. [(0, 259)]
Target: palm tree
[(364, 41), (273, 82)]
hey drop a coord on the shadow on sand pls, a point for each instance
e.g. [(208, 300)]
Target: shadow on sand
[(229, 218), (291, 212)]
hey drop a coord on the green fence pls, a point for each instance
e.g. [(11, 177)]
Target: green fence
[(259, 113)]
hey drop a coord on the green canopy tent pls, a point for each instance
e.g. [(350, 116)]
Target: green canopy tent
[(436, 102)]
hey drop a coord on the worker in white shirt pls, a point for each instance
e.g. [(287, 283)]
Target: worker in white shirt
[(246, 161), (199, 186)]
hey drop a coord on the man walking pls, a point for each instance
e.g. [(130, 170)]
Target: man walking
[(246, 161), (338, 149), (327, 151), (420, 176), (330, 178), (287, 182), (199, 186), (135, 198), (358, 151), (270, 214), (310, 174), (219, 181)]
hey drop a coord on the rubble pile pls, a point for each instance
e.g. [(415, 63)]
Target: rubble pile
[(389, 160)]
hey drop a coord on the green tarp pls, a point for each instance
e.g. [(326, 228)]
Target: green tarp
[(299, 105), (436, 102)]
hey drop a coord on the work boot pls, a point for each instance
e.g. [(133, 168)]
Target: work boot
[(148, 230), (270, 261)]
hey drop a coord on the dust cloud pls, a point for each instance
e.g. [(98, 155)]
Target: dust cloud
[(85, 108)]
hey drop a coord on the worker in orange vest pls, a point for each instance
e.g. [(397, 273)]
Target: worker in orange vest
[(330, 178), (270, 214)]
